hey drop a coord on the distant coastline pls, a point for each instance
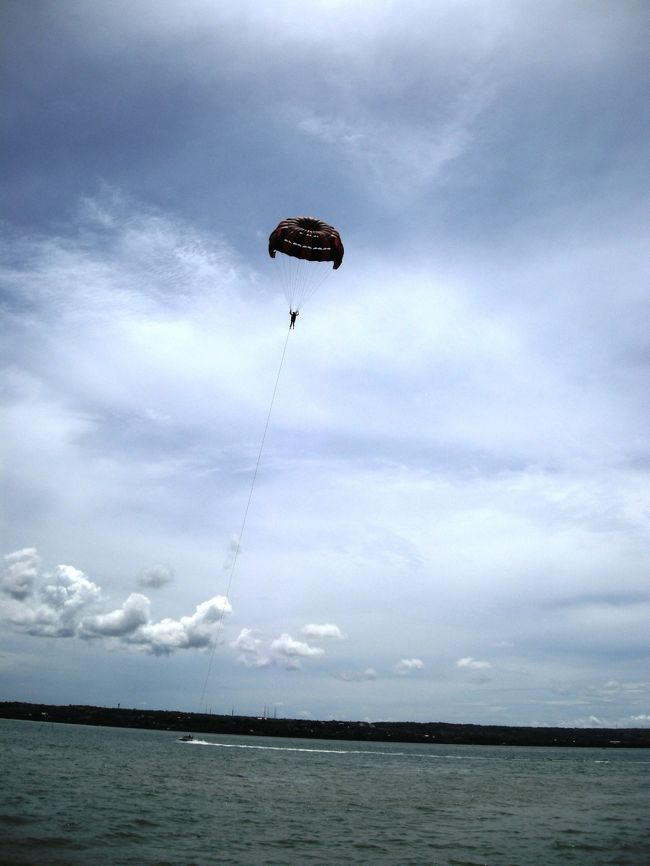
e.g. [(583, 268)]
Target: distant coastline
[(397, 732)]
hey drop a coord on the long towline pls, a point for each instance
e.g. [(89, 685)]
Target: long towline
[(243, 523)]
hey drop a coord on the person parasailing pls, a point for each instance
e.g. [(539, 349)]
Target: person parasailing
[(293, 314)]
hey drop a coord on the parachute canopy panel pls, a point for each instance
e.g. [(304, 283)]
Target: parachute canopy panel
[(307, 238)]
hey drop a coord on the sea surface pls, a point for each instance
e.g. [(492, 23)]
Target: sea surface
[(72, 795)]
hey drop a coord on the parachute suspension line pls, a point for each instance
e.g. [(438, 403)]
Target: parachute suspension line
[(243, 523), (289, 272), (301, 279), (319, 274)]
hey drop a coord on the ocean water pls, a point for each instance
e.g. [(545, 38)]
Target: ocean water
[(72, 795)]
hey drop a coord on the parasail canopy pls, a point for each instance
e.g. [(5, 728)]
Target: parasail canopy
[(307, 245), (307, 238)]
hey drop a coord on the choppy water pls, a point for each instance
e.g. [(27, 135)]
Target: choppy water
[(73, 795)]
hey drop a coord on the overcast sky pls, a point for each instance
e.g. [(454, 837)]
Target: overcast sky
[(450, 520)]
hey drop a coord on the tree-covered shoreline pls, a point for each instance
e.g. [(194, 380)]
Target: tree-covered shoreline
[(401, 732)]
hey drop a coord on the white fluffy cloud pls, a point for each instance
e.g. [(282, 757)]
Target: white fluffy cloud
[(198, 631), (407, 666), (326, 630), (20, 573), (65, 603), (56, 606), (472, 663), (283, 651), (249, 645), (289, 651), (134, 613)]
